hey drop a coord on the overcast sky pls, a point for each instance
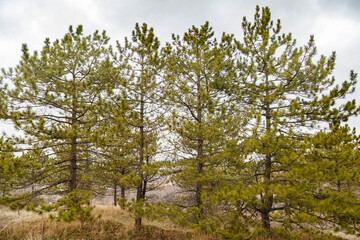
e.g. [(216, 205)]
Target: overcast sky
[(335, 23)]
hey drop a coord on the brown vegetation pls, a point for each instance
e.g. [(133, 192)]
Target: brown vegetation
[(114, 223)]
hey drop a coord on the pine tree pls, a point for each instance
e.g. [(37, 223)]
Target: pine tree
[(289, 95), (203, 122), (141, 65), (7, 168), (116, 170), (53, 95), (330, 169)]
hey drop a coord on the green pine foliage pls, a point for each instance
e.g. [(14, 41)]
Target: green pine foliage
[(203, 121), (331, 171), (140, 88), (53, 95), (10, 168), (114, 137), (71, 207), (290, 95)]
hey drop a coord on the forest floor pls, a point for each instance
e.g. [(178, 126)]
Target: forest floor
[(114, 223)]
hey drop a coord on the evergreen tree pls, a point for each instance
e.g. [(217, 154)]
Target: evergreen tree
[(141, 65), (203, 120), (289, 95), (6, 167), (53, 96), (330, 179), (116, 170)]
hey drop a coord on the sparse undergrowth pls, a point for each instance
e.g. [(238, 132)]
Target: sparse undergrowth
[(114, 224)]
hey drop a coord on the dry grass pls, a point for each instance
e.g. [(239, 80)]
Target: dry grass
[(115, 223), (110, 212)]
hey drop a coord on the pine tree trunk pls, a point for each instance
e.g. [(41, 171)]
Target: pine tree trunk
[(73, 147), (268, 197), (122, 193), (138, 223), (200, 142), (139, 195), (267, 201), (115, 193), (198, 190), (73, 166), (265, 220), (73, 157), (144, 189)]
